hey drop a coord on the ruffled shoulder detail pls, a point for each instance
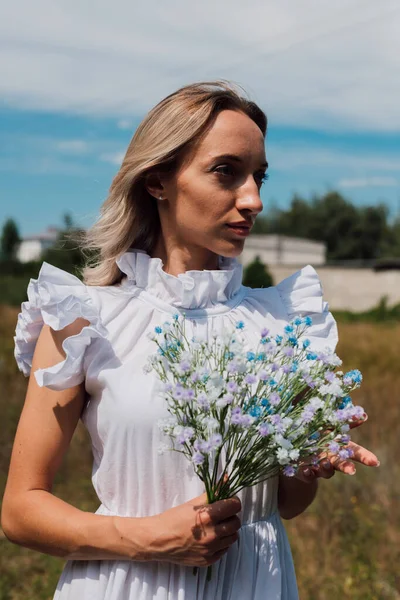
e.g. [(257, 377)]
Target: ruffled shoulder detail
[(56, 298), (302, 295)]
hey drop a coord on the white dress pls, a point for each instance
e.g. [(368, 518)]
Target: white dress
[(130, 477)]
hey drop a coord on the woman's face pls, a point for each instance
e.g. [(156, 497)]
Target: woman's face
[(218, 184)]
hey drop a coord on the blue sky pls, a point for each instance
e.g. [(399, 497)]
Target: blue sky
[(74, 85)]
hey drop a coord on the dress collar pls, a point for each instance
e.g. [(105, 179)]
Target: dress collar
[(192, 289)]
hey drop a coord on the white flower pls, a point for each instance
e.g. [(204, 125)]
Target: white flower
[(334, 388), (163, 448), (283, 442), (294, 454), (316, 403), (283, 456)]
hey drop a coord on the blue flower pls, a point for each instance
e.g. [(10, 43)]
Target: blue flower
[(292, 339), (345, 402), (239, 325), (295, 366), (158, 329), (306, 343), (278, 339), (272, 382), (298, 321), (260, 356), (354, 376), (315, 436), (312, 356), (289, 329), (255, 411), (175, 317), (250, 356), (307, 321)]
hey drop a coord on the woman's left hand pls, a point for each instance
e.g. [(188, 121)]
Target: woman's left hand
[(332, 463)]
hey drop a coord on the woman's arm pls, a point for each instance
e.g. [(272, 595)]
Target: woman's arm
[(31, 515)]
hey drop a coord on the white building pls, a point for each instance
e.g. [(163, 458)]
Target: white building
[(33, 246), (274, 249)]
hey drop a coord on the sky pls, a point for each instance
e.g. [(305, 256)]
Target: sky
[(77, 77)]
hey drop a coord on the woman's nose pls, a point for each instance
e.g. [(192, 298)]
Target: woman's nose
[(249, 198)]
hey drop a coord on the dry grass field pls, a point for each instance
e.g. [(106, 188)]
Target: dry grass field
[(346, 546)]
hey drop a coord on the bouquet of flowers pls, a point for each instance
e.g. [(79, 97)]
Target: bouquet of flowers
[(241, 416)]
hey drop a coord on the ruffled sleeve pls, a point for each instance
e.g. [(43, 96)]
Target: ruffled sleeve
[(56, 298), (302, 295)]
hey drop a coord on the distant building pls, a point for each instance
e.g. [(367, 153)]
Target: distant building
[(33, 246), (274, 249)]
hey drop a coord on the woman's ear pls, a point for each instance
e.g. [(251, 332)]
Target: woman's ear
[(154, 186)]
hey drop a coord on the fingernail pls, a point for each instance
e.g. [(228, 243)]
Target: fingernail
[(307, 472), (377, 464)]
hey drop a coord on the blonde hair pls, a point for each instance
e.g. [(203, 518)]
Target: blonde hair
[(129, 215)]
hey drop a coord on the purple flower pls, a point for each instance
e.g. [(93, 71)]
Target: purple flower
[(246, 420), (216, 440), (203, 401), (184, 365), (264, 332), (188, 394), (334, 447), (265, 429), (309, 381), (289, 471), (232, 387), (198, 458), (274, 399), (250, 378), (274, 367), (287, 369), (345, 453), (263, 376), (288, 351), (177, 393), (330, 376), (307, 415), (236, 419)]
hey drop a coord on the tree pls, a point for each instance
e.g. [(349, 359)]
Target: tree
[(349, 232), (10, 240), (256, 275), (66, 252)]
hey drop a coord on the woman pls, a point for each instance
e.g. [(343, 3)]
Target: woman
[(169, 234)]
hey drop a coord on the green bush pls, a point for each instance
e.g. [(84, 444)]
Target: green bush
[(256, 275)]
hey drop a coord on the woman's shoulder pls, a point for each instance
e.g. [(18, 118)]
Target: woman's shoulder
[(62, 301), (297, 296)]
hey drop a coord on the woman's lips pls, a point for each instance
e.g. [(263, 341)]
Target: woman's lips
[(241, 230)]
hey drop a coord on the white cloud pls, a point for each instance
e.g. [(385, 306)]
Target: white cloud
[(125, 124), (73, 146), (115, 158), (315, 64), (368, 182)]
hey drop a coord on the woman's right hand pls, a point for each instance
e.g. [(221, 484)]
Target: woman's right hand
[(194, 533)]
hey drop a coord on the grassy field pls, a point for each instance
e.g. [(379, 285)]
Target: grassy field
[(346, 546)]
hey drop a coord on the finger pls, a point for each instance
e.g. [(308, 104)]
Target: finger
[(227, 527), (325, 469), (357, 422), (225, 542), (344, 466), (363, 456), (305, 474), (223, 509)]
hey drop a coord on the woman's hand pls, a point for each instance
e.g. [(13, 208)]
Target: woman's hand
[(332, 463), (194, 533)]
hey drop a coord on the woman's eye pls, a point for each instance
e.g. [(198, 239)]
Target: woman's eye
[(225, 170), (261, 178)]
